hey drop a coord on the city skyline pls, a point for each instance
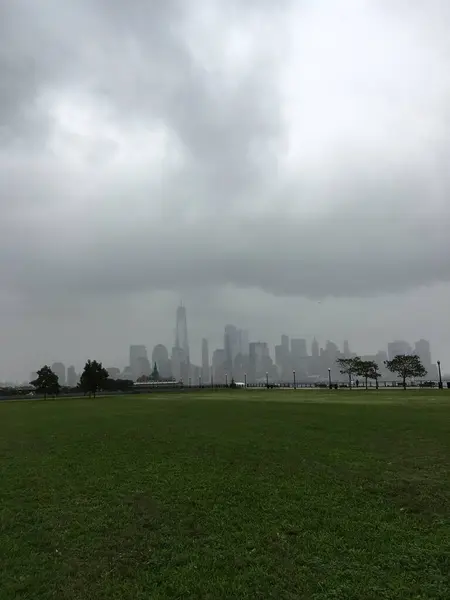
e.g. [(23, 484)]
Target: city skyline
[(239, 355), (278, 166)]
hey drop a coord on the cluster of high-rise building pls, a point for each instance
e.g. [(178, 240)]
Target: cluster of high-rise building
[(242, 359)]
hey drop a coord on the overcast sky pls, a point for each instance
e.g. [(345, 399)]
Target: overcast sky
[(250, 157)]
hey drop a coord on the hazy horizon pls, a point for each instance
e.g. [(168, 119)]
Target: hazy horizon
[(278, 166)]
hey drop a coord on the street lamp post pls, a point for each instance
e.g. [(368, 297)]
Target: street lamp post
[(440, 374), (295, 385), (267, 379), (199, 381), (329, 378), (226, 379), (212, 381), (245, 379), (190, 382)]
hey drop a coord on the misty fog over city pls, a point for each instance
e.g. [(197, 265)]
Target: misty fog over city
[(281, 167)]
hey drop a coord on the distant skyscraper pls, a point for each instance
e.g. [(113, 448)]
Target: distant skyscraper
[(398, 347), (299, 357), (232, 345), (60, 370), (127, 374), (178, 362), (160, 356), (181, 335), (347, 353), (422, 349), (218, 365), (244, 346), (113, 372), (72, 377), (205, 361), (315, 349), (299, 349), (144, 367), (332, 352), (138, 356), (259, 361)]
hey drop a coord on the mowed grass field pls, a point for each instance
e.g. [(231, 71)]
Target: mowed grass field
[(227, 495)]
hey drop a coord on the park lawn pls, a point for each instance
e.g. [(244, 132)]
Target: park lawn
[(315, 495)]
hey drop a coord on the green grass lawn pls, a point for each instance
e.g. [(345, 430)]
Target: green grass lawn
[(307, 494)]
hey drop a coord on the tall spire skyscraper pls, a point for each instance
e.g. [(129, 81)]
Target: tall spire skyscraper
[(181, 335), (206, 371)]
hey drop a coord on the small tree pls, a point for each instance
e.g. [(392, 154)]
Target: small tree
[(406, 365), (46, 382), (375, 374), (348, 366), (367, 369), (93, 377)]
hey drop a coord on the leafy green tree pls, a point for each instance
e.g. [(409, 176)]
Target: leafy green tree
[(155, 373), (46, 382), (93, 378), (348, 366), (406, 365), (368, 369)]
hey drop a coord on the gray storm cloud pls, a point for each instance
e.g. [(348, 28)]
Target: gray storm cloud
[(174, 144)]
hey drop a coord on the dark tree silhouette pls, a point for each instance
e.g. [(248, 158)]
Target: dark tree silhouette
[(368, 369), (348, 366), (93, 378), (406, 365), (46, 382)]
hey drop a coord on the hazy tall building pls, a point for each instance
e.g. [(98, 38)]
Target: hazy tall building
[(259, 361), (138, 356), (244, 344), (160, 356), (127, 373), (113, 372), (218, 365), (299, 348), (205, 361), (398, 347), (347, 353), (232, 345), (299, 357), (315, 349), (423, 350), (181, 332), (72, 377), (60, 370)]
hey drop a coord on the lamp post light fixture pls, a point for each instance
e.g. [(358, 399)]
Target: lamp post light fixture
[(440, 374), (295, 385), (329, 378)]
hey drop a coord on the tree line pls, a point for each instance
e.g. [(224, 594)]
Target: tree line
[(402, 365), (94, 378)]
